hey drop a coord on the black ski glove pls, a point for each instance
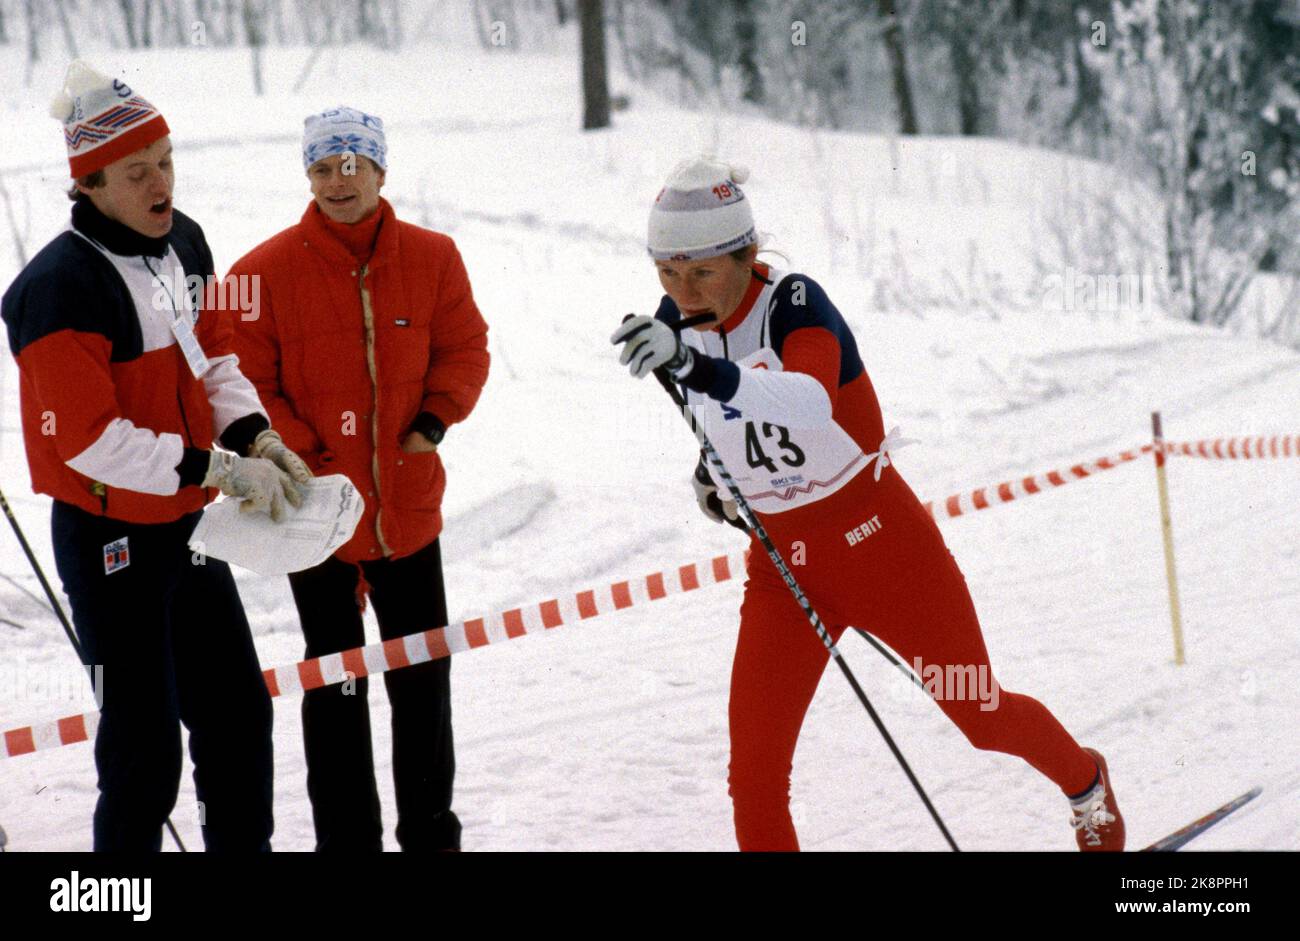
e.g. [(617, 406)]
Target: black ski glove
[(714, 506)]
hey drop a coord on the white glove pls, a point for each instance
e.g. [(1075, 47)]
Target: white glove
[(713, 504), (256, 481), (651, 343), (269, 445)]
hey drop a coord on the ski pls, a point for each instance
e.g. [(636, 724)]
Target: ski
[(1194, 829)]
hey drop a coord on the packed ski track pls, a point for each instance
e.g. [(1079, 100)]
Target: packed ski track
[(611, 734)]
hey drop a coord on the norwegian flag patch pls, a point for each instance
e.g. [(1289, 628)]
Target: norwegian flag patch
[(116, 556)]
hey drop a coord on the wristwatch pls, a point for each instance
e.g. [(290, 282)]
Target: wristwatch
[(428, 424)]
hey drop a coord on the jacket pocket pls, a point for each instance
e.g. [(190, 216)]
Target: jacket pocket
[(319, 463), (417, 481)]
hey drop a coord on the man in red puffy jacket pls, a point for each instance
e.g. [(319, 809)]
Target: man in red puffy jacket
[(367, 347)]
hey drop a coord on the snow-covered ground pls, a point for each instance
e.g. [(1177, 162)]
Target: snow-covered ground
[(612, 734)]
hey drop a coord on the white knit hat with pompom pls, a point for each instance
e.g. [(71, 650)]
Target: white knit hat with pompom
[(701, 212)]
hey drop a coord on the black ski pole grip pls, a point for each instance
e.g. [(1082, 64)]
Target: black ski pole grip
[(691, 322), (681, 324)]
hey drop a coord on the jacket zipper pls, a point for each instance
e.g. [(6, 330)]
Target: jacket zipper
[(180, 403), (180, 400), (368, 317)]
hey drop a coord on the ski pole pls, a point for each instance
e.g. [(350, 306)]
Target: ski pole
[(774, 554), (880, 648), (63, 618), (902, 668), (40, 576)]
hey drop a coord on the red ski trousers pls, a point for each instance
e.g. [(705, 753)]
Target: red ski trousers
[(871, 558)]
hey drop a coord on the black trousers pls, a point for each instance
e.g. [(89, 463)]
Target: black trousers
[(170, 632), (409, 598)]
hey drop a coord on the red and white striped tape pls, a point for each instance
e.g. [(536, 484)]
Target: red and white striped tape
[(1248, 448), (583, 605), (982, 498), (66, 731), (430, 645), (499, 626)]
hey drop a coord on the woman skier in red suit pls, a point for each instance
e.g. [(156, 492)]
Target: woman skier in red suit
[(775, 379)]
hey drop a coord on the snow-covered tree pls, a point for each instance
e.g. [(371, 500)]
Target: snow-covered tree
[(1175, 90)]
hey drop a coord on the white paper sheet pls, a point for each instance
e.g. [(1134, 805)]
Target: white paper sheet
[(309, 534)]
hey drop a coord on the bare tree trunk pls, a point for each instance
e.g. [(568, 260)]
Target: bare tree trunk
[(33, 47), (395, 34), (128, 19), (307, 67), (307, 16), (20, 242), (318, 39), (631, 61), (964, 67), (747, 55), (271, 31), (481, 16), (253, 30), (331, 22), (68, 39), (514, 36), (1087, 98), (174, 17), (4, 36), (495, 24), (595, 81), (366, 27), (896, 48), (561, 12), (146, 25)]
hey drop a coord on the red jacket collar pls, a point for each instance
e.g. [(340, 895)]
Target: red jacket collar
[(317, 235), (758, 279)]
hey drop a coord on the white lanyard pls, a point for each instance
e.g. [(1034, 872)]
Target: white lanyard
[(183, 331)]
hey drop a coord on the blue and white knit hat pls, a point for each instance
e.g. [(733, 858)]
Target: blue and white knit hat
[(701, 212), (343, 130)]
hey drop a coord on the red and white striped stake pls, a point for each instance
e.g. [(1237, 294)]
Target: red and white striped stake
[(1167, 530)]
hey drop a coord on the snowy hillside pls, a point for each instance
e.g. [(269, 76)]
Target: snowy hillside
[(612, 734)]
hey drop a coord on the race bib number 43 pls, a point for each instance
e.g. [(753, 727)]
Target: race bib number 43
[(778, 468)]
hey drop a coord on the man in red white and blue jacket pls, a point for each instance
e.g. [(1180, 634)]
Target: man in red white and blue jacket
[(125, 388)]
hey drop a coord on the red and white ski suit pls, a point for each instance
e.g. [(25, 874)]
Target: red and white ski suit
[(796, 420)]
